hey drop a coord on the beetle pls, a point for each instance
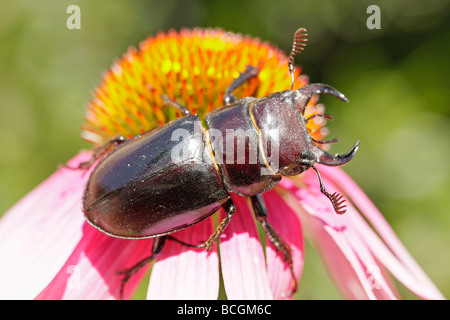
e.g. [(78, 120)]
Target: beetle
[(155, 184)]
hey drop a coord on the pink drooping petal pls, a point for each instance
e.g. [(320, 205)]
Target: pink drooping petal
[(39, 233), (242, 259), (390, 251), (287, 225), (356, 273), (340, 261), (354, 254), (92, 271), (181, 272), (359, 275)]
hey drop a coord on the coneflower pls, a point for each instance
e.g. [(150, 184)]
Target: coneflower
[(48, 251)]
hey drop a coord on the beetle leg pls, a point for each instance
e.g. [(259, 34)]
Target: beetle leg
[(97, 153), (172, 103), (158, 244), (190, 245), (260, 211), (231, 209), (208, 244), (249, 73)]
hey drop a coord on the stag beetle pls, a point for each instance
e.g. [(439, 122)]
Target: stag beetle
[(153, 185)]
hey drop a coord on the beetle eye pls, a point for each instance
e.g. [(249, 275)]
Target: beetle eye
[(292, 170), (297, 170)]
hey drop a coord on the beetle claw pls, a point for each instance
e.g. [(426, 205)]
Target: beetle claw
[(305, 94), (333, 160)]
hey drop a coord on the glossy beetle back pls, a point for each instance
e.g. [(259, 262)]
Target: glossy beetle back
[(138, 191)]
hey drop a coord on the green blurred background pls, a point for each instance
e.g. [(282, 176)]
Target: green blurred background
[(397, 79)]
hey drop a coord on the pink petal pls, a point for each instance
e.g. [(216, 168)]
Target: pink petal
[(242, 259), (365, 252), (340, 245), (91, 272), (362, 275), (395, 256), (40, 232), (185, 273), (287, 225), (340, 261)]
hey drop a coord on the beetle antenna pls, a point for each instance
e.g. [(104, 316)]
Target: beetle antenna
[(337, 200), (298, 45)]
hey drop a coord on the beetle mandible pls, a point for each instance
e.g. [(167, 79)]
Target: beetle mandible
[(138, 191)]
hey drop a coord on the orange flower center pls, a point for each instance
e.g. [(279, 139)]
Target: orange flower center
[(193, 67)]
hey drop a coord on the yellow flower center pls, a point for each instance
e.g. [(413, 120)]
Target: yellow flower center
[(193, 67)]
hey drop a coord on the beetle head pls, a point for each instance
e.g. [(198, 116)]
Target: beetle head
[(280, 118), (298, 150), (312, 153), (281, 123), (302, 97)]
